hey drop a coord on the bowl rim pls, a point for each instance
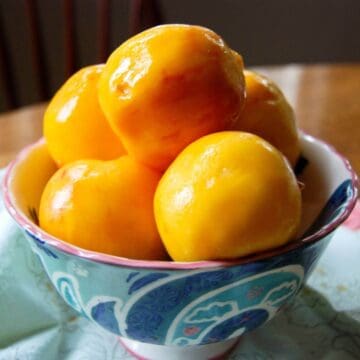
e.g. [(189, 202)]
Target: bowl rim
[(63, 246)]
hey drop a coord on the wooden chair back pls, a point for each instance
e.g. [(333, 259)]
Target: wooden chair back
[(139, 14)]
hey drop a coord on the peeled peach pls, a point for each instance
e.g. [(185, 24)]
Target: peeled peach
[(227, 195), (104, 206), (168, 86), (75, 127), (268, 114)]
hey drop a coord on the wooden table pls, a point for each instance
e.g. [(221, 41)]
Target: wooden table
[(326, 99)]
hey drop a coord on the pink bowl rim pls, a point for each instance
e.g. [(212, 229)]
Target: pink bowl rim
[(61, 245)]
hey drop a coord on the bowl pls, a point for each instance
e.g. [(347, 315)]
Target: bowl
[(194, 310)]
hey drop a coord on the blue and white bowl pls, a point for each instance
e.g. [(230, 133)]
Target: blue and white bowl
[(196, 310)]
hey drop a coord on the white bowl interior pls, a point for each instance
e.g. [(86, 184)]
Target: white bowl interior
[(324, 171)]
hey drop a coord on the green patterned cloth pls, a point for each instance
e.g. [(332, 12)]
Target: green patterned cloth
[(35, 324)]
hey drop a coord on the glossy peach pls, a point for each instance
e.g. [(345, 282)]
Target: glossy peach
[(227, 195), (75, 127), (168, 86), (104, 206), (268, 114)]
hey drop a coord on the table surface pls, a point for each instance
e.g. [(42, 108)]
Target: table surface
[(325, 97)]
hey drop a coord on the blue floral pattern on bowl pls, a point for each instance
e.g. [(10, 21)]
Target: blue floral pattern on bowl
[(179, 307)]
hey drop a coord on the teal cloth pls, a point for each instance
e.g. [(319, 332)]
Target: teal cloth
[(35, 324)]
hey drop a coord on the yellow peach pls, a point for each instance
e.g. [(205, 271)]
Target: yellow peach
[(75, 127), (168, 86), (268, 114), (227, 195), (104, 206)]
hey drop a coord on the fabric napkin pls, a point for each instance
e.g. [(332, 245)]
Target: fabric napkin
[(322, 323)]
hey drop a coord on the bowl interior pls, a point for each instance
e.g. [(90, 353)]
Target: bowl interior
[(329, 191)]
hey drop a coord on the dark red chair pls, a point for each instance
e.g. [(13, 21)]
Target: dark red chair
[(139, 14)]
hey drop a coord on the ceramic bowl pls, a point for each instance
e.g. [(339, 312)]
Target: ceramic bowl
[(196, 310)]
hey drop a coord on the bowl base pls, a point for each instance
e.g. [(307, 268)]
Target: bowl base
[(215, 351)]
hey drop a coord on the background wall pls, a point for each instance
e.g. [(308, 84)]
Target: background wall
[(263, 31), (278, 31)]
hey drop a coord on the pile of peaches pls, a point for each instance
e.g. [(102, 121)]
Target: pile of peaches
[(171, 151)]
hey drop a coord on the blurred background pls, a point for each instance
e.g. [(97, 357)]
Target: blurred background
[(42, 42)]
